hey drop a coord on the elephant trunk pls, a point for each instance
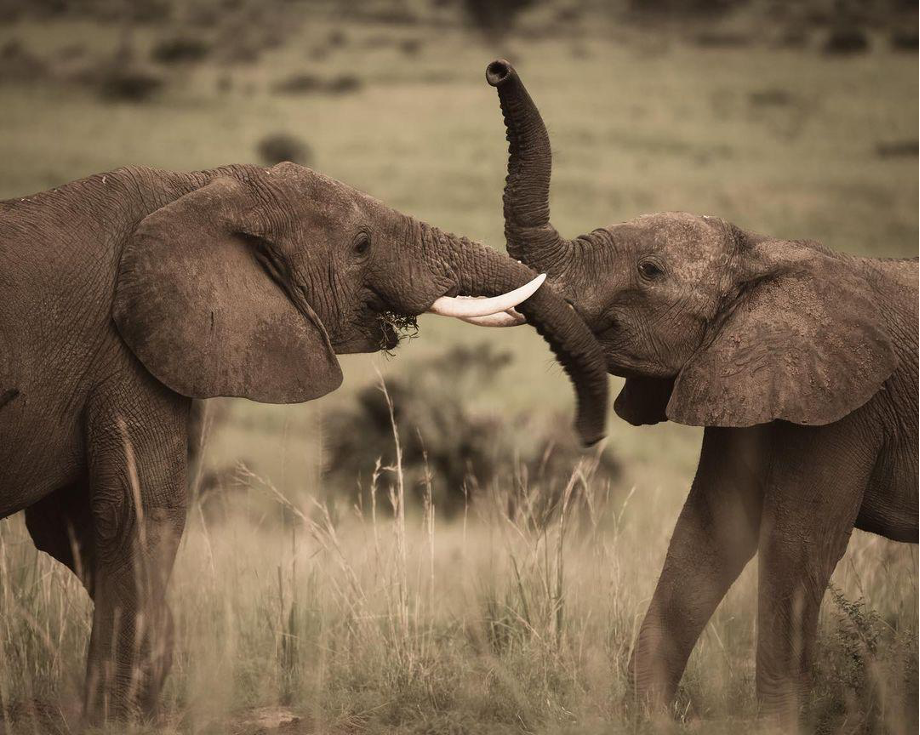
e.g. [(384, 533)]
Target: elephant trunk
[(530, 236), (478, 270)]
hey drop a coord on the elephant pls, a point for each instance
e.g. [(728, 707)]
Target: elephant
[(801, 364), (129, 294)]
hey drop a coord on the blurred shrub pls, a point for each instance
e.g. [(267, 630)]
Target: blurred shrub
[(793, 38), (898, 149), (119, 11), (683, 7), (224, 83), (203, 15), (238, 42), (771, 97), (147, 11), (279, 147), (18, 64), (344, 84), (129, 84), (494, 17), (72, 51), (337, 38), (904, 39), (410, 46), (715, 38), (179, 49), (311, 84), (463, 447), (394, 13), (15, 9), (299, 84), (846, 40), (244, 52)]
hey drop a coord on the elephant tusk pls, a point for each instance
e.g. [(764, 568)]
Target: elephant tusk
[(464, 308), (509, 318)]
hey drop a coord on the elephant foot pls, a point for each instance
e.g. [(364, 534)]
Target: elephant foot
[(653, 679), (124, 681), (780, 715)]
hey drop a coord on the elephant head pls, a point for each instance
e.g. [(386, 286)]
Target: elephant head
[(252, 280), (709, 324)]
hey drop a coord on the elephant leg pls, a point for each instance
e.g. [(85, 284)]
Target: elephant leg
[(715, 537), (811, 501), (61, 525), (137, 460)]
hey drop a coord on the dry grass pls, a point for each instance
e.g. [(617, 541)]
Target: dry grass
[(381, 619)]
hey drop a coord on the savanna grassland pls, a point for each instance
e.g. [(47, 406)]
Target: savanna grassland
[(304, 605)]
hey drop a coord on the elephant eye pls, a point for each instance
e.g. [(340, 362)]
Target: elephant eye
[(362, 244), (650, 270)]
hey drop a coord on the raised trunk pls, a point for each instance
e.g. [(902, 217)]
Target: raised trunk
[(478, 270), (530, 236)]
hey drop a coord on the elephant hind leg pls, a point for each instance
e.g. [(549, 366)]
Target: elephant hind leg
[(810, 505), (60, 524)]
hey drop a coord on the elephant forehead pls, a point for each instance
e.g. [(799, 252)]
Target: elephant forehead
[(319, 198), (690, 241), (341, 194), (676, 229)]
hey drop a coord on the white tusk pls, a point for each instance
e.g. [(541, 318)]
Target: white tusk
[(510, 318), (463, 308)]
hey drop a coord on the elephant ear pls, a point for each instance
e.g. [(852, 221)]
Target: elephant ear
[(804, 342), (203, 306), (644, 400)]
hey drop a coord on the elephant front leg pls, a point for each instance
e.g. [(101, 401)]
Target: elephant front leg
[(810, 505), (137, 476), (715, 537)]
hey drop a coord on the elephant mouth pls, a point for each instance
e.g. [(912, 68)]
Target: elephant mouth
[(625, 363), (394, 328), (380, 335), (389, 327), (375, 327)]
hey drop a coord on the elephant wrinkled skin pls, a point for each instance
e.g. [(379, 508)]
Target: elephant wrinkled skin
[(126, 295), (800, 362)]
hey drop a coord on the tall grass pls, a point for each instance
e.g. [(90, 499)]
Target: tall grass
[(519, 617)]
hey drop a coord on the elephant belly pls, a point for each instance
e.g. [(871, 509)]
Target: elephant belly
[(890, 505), (40, 450)]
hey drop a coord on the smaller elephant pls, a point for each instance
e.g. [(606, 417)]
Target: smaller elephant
[(127, 295), (801, 363)]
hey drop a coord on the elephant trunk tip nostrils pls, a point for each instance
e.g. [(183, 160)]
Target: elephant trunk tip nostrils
[(498, 71)]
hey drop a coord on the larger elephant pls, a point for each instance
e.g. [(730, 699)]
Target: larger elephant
[(126, 295), (801, 363)]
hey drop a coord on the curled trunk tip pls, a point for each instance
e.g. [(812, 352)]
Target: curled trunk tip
[(483, 271)]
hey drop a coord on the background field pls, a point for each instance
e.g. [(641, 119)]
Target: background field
[(510, 616)]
